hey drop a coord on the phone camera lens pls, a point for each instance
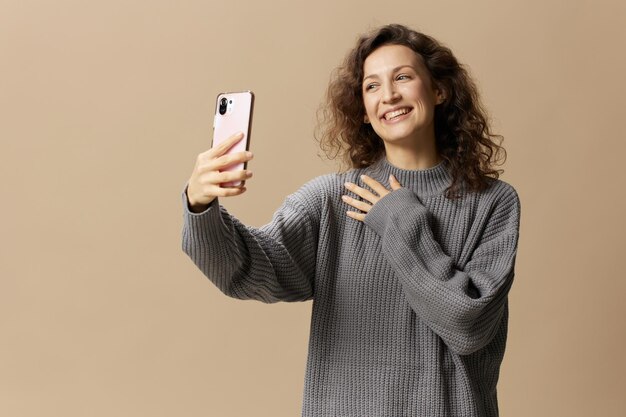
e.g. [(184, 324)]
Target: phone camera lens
[(223, 105)]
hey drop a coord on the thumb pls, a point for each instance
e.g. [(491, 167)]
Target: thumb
[(395, 184)]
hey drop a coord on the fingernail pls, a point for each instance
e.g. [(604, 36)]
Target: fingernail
[(347, 184), (249, 154), (248, 174), (344, 197)]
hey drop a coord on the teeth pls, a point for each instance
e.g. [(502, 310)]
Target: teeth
[(392, 114)]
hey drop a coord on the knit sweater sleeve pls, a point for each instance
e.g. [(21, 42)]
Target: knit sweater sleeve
[(463, 305), (272, 263)]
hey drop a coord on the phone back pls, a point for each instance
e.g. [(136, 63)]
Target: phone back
[(233, 113)]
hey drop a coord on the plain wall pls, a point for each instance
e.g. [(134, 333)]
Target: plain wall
[(104, 107)]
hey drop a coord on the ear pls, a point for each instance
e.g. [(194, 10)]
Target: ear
[(366, 119), (441, 96)]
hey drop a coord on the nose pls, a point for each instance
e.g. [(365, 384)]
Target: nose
[(390, 94)]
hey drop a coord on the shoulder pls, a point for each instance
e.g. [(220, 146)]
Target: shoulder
[(321, 193), (326, 186), (502, 203), (503, 192)]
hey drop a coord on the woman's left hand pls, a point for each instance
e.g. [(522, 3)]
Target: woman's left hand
[(372, 197)]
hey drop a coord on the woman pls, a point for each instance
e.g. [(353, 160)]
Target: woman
[(408, 257)]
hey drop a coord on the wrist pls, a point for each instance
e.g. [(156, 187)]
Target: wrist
[(194, 206)]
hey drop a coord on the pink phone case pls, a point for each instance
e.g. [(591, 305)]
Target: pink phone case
[(233, 113)]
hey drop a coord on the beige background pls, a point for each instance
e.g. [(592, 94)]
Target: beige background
[(103, 109)]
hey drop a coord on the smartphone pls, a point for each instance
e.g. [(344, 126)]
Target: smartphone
[(233, 113)]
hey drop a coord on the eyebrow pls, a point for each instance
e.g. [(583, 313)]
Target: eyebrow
[(394, 70)]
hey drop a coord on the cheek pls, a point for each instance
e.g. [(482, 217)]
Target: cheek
[(370, 107), (420, 93)]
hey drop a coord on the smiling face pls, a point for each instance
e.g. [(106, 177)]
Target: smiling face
[(399, 97)]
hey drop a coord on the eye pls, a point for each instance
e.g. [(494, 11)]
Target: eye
[(370, 86), (402, 77)]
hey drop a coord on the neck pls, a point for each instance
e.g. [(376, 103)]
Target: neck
[(429, 181), (413, 156)]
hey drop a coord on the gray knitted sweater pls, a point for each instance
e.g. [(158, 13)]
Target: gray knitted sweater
[(409, 307)]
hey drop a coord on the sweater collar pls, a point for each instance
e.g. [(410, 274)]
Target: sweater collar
[(430, 181)]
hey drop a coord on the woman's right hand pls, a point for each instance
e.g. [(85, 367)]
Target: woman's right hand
[(207, 176)]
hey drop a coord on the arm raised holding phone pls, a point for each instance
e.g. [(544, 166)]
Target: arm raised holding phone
[(275, 262)]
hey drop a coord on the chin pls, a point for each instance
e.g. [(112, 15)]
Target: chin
[(404, 136), (399, 138)]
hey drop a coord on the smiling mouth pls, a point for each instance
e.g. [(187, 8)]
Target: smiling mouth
[(396, 113)]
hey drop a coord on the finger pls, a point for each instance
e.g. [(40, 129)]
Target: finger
[(225, 145), (214, 179), (358, 204), (228, 191), (356, 216), (225, 161), (228, 176), (233, 191), (375, 185), (362, 192), (395, 184)]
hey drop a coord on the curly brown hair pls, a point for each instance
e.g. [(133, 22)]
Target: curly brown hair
[(462, 134)]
